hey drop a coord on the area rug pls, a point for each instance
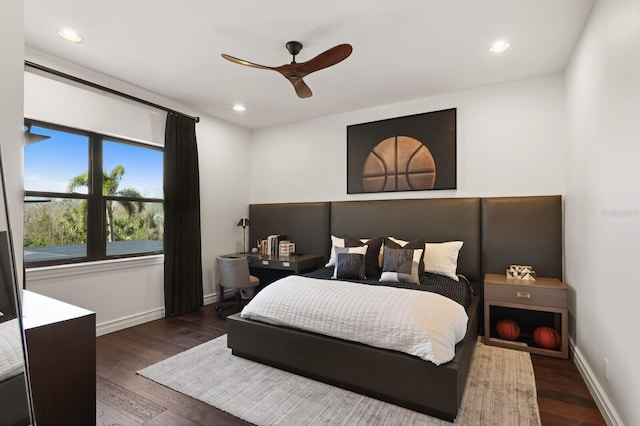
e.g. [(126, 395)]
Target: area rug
[(500, 390)]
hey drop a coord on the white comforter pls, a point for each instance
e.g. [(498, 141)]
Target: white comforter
[(419, 323), (11, 357)]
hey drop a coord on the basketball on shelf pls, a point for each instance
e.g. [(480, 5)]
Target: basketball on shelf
[(508, 329), (547, 337)]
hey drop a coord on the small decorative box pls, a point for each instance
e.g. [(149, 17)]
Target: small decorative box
[(521, 272)]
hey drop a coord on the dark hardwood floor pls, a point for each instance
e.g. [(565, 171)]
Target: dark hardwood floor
[(563, 396), (124, 398)]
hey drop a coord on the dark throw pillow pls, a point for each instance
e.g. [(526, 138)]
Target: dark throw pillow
[(350, 266), (372, 270), (360, 251)]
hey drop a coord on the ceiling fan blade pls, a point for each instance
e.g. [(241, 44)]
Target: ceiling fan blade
[(302, 90), (247, 63), (326, 59)]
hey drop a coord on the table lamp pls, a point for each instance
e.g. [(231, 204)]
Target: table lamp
[(244, 222)]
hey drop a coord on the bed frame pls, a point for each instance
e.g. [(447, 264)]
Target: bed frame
[(15, 405), (496, 232)]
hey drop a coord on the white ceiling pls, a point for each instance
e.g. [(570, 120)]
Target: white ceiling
[(402, 50)]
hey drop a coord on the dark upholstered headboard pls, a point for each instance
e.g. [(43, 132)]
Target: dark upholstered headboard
[(306, 224), (522, 231), (496, 232), (436, 219)]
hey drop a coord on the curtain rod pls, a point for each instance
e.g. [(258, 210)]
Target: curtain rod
[(106, 89)]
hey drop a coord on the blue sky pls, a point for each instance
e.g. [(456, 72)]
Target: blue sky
[(50, 165)]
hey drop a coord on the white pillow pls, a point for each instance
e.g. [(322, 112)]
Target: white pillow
[(442, 258), (354, 250), (335, 242), (399, 241)]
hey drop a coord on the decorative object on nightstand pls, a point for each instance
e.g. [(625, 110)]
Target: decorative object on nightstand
[(521, 272), (244, 222)]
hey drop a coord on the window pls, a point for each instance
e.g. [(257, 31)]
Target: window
[(89, 196)]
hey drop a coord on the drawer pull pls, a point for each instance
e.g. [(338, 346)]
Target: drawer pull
[(265, 262), (523, 295), (286, 264)]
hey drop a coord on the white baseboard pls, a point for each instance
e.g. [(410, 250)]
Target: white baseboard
[(141, 318), (129, 321), (210, 298), (600, 397)]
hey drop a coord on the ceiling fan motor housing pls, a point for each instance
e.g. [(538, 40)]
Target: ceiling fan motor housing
[(294, 47)]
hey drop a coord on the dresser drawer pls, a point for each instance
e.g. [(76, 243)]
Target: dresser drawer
[(526, 295)]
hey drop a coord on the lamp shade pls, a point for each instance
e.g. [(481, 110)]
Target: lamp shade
[(244, 222)]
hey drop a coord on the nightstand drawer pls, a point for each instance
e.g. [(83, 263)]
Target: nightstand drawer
[(526, 295)]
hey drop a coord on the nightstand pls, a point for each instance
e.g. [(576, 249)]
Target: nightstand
[(531, 304)]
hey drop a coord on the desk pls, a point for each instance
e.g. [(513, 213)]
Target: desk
[(297, 263), (270, 268)]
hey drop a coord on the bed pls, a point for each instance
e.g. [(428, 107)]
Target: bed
[(491, 229), (11, 356), (14, 403), (14, 408)]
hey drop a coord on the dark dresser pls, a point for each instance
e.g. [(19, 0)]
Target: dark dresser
[(61, 350)]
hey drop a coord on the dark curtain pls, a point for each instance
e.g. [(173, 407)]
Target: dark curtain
[(182, 250)]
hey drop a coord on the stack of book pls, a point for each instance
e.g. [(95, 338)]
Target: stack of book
[(270, 245)]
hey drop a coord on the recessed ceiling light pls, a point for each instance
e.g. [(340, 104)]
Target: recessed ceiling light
[(239, 108), (70, 35), (499, 46)]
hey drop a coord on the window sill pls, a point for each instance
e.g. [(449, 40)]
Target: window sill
[(97, 267)]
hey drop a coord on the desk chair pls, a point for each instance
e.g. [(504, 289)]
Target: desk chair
[(234, 273)]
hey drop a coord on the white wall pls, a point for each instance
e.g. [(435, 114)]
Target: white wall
[(602, 207), (11, 106), (510, 141), (129, 292)]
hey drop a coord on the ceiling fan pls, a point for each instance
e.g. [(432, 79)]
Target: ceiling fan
[(295, 72)]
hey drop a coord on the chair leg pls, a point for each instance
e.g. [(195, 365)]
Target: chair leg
[(235, 300), (230, 301)]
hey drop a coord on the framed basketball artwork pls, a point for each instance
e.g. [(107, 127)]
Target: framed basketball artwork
[(411, 153)]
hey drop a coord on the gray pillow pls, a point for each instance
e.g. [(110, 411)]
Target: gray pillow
[(401, 265)]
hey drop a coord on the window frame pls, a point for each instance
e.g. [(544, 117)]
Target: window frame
[(96, 243)]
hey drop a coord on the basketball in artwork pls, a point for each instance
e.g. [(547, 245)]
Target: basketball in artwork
[(399, 163), (508, 329), (547, 337)]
